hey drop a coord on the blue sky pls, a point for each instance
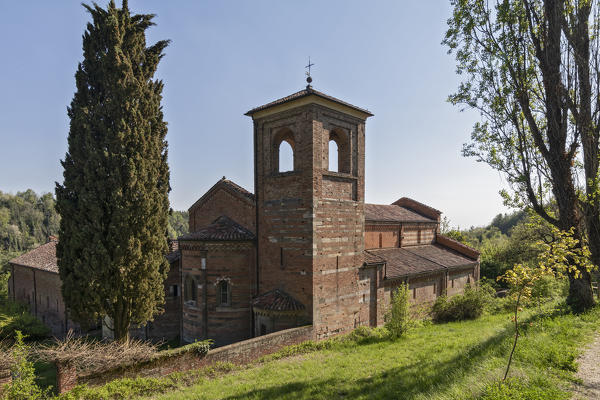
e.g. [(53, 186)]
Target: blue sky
[(227, 57)]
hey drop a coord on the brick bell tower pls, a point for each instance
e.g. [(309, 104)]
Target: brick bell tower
[(310, 220)]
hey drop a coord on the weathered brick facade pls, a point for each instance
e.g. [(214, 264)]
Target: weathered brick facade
[(34, 281), (305, 248), (303, 256)]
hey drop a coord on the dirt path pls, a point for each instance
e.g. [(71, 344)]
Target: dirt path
[(589, 372)]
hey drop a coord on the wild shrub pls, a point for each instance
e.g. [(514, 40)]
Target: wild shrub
[(23, 386), (15, 317), (469, 305), (92, 356), (365, 334), (399, 319)]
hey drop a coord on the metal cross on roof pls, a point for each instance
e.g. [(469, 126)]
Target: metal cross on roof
[(308, 77)]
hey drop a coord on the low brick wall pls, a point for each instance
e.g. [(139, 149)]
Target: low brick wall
[(237, 353)]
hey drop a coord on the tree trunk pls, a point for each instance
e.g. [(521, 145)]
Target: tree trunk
[(581, 296)]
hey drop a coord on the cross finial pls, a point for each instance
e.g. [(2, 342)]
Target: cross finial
[(308, 77)]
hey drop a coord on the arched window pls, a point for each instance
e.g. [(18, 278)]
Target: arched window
[(286, 157), (189, 289), (333, 156), (283, 151), (339, 151), (224, 293)]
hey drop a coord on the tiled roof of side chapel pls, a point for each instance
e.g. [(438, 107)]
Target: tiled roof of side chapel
[(392, 213), (44, 258), (223, 228), (415, 260), (277, 300)]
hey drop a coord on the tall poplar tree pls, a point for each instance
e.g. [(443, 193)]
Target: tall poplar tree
[(532, 69), (114, 199)]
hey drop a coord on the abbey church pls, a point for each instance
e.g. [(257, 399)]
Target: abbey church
[(303, 249)]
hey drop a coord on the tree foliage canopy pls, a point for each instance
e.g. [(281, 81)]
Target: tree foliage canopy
[(531, 69), (114, 200)]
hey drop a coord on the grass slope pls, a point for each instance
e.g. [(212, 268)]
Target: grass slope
[(462, 360)]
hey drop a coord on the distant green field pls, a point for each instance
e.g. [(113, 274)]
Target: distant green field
[(459, 360)]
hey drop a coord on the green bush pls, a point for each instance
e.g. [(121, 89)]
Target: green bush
[(365, 334), (399, 319), (469, 305), (15, 317)]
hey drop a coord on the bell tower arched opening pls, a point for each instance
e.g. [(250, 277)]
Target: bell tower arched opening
[(284, 157), (339, 151)]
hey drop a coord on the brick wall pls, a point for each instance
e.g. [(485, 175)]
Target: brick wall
[(237, 353), (223, 202), (40, 291), (311, 220), (381, 236), (206, 318)]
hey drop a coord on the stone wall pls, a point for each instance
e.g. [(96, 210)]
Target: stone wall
[(182, 360)]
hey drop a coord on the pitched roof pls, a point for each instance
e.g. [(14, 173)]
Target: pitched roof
[(414, 260), (277, 300), (372, 259), (393, 213), (42, 257), (304, 93), (223, 228), (231, 187)]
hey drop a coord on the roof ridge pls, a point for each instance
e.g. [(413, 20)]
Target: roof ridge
[(303, 93), (229, 184)]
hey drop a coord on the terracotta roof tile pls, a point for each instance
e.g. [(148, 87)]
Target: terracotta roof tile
[(414, 260), (392, 213), (303, 93), (223, 228), (42, 257), (371, 259), (277, 300)]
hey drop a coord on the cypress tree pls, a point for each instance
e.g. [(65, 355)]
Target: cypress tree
[(114, 199)]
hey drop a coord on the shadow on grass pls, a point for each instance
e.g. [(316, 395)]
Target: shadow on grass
[(403, 382)]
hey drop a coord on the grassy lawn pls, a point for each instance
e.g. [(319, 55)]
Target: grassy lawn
[(446, 361)]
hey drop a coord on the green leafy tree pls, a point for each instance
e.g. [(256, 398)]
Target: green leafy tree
[(521, 280), (530, 69), (178, 224), (114, 200), (399, 319)]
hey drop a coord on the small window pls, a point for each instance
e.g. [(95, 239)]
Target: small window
[(224, 293), (190, 289), (286, 157), (47, 302), (333, 156), (173, 290)]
